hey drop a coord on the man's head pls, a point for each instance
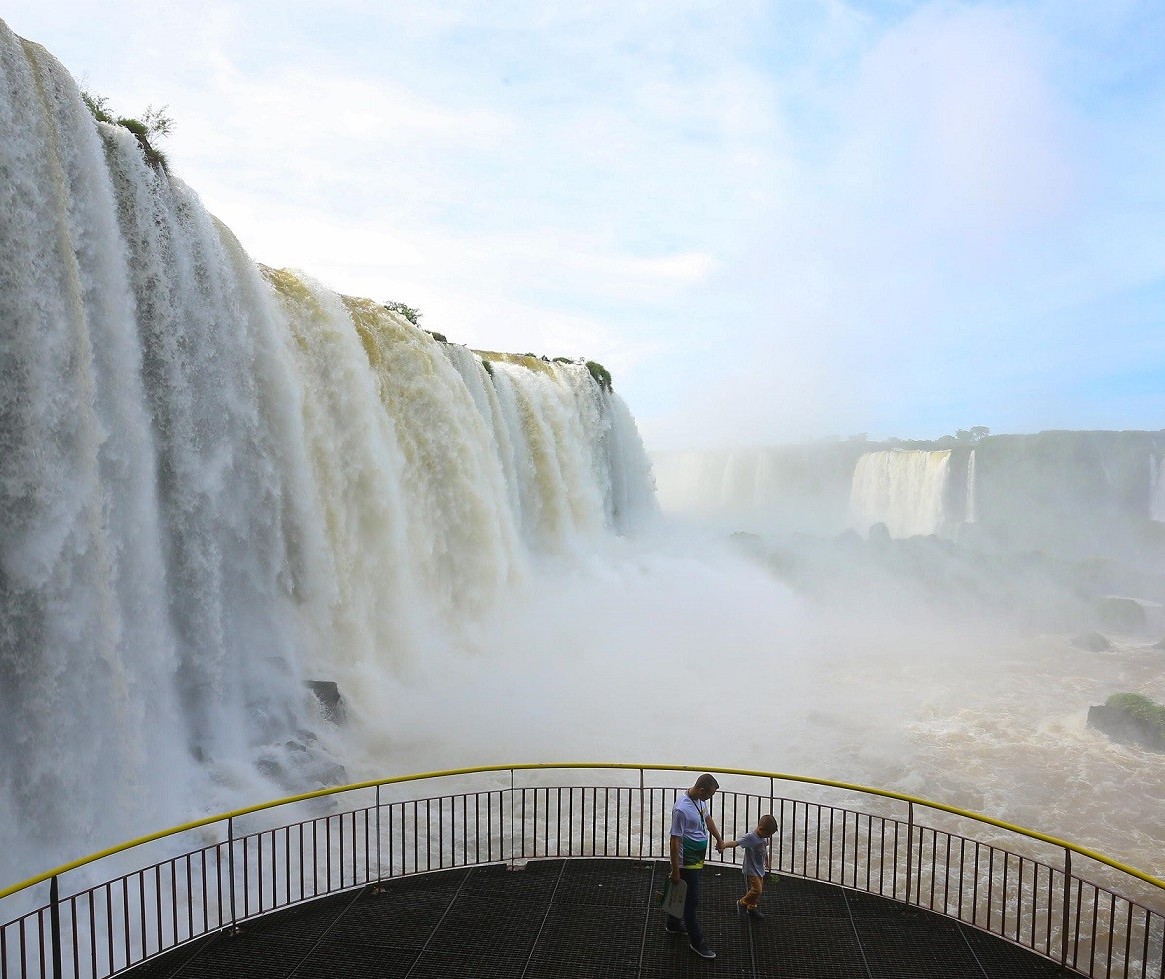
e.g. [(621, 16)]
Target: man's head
[(704, 788)]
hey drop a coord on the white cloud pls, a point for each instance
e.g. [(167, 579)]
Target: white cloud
[(814, 217)]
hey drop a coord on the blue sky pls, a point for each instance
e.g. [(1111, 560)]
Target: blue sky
[(772, 221)]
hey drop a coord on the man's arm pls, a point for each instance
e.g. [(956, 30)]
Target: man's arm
[(711, 824), (675, 859)]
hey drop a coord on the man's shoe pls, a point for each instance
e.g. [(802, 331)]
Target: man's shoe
[(755, 913), (703, 951), (681, 930)]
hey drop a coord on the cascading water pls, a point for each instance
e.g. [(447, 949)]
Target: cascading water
[(903, 489), (1157, 489), (218, 481), (972, 499)]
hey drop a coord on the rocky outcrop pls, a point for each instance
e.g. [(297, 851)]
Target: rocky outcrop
[(1093, 642), (1130, 719), (1121, 614), (331, 701)]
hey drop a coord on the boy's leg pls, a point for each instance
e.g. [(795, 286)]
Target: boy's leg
[(755, 886)]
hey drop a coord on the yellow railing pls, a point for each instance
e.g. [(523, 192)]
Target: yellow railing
[(1026, 892)]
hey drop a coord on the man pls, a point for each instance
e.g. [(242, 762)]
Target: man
[(691, 822)]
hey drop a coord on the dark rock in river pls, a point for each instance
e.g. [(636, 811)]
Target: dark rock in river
[(1125, 728), (1121, 614), (1094, 642)]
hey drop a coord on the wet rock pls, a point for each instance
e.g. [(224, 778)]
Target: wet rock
[(1120, 614), (1093, 642), (327, 692), (1125, 728)]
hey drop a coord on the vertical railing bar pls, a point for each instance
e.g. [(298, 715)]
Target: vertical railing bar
[(379, 862), (910, 850), (947, 876), (869, 849), (441, 833), (848, 855), (1145, 944), (1128, 935), (975, 891), (642, 814), (990, 883), (1003, 896), (74, 934), (1095, 923), (158, 900), (1111, 922), (464, 828), (125, 918), (231, 865), (92, 932), (54, 927)]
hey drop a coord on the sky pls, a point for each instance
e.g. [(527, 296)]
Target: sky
[(771, 221)]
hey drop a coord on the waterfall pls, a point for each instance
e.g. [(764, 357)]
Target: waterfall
[(219, 480), (1157, 488), (904, 489), (971, 508)]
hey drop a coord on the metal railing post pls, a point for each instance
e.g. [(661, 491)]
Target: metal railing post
[(909, 846), (379, 871), (513, 832), (55, 925), (641, 823), (1067, 917), (231, 869)]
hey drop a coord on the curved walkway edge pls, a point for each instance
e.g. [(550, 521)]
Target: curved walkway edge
[(595, 918)]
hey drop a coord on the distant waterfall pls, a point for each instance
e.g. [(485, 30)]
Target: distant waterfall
[(1157, 488), (903, 489), (972, 502), (217, 481)]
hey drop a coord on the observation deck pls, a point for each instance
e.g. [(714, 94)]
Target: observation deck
[(584, 918), (530, 871)]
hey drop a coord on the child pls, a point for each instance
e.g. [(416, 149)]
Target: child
[(758, 860)]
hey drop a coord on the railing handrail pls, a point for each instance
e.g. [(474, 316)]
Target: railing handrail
[(598, 766)]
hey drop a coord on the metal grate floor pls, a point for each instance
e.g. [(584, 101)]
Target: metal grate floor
[(594, 918)]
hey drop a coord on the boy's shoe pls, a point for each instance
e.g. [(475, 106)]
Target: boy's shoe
[(681, 930), (755, 913), (703, 951)]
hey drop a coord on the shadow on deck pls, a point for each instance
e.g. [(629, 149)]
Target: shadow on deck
[(583, 918)]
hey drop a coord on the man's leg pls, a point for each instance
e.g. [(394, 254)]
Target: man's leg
[(691, 903)]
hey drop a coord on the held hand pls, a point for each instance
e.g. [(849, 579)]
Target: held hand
[(719, 846)]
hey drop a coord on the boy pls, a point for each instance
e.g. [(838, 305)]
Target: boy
[(758, 859)]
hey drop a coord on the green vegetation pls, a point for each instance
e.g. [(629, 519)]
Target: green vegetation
[(1140, 707), (439, 337), (154, 124), (489, 368), (601, 375), (408, 312)]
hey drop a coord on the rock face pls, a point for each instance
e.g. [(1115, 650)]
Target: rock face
[(1121, 614), (1125, 728), (327, 692)]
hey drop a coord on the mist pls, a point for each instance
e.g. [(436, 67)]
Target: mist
[(948, 661)]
